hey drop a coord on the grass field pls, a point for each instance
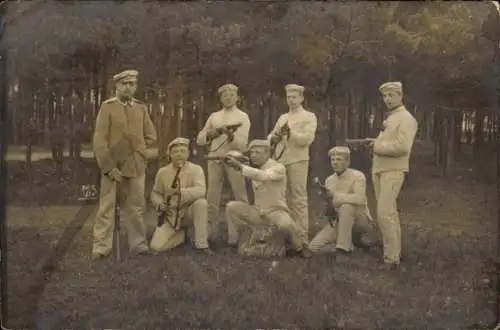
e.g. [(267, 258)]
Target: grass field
[(448, 281)]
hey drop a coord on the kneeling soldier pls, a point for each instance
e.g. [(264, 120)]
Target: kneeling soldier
[(179, 196), (270, 207), (347, 189)]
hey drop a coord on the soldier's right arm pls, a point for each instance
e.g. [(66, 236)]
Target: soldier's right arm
[(274, 173), (101, 140), (158, 190), (201, 139)]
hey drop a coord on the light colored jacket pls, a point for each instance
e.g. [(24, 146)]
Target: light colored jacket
[(269, 186), (192, 184), (218, 119), (121, 137), (392, 147), (303, 125), (349, 188)]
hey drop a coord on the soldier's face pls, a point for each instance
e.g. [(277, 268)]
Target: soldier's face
[(179, 154), (228, 98), (339, 163), (259, 155), (392, 99), (126, 87), (294, 99)]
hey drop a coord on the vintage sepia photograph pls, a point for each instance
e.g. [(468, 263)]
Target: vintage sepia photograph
[(250, 164)]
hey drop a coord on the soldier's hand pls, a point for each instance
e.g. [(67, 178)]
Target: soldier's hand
[(162, 207), (329, 194), (233, 162), (212, 134), (115, 175)]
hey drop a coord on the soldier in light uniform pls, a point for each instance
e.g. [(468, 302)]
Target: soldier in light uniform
[(347, 189), (220, 142), (391, 154), (299, 136), (187, 201), (123, 132), (270, 207)]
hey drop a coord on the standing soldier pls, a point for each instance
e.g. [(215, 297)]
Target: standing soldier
[(347, 191), (179, 195), (295, 131), (225, 130), (270, 207), (122, 134), (391, 154)]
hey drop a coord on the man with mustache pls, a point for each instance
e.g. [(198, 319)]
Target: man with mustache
[(220, 141), (187, 204), (123, 131)]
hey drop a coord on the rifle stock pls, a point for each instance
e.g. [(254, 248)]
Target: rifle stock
[(162, 214), (330, 212), (359, 141)]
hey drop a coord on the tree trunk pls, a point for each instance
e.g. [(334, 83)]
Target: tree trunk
[(457, 143), (478, 132)]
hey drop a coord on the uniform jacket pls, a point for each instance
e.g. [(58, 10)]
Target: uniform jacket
[(392, 147), (218, 119), (303, 125), (122, 134), (269, 186), (349, 188), (192, 184)]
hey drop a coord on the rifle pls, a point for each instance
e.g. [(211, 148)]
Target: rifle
[(117, 222), (359, 142), (330, 212), (235, 154), (283, 130), (163, 214), (230, 129)]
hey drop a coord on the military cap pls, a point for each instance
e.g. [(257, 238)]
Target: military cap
[(227, 87), (178, 141), (391, 85), (343, 151), (294, 88), (258, 143), (125, 74)]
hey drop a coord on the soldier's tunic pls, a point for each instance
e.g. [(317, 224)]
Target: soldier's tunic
[(303, 125), (123, 132), (391, 154), (349, 191), (193, 204), (270, 208), (216, 169)]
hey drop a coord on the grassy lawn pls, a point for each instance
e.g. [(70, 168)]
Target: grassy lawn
[(449, 235)]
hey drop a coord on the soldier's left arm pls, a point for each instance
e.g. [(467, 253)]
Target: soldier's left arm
[(241, 134), (401, 144), (198, 190), (275, 173), (150, 136), (158, 190), (305, 135), (357, 196)]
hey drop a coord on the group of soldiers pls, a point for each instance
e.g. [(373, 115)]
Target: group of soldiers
[(269, 185)]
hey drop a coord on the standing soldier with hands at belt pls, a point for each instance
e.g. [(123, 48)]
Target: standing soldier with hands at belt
[(222, 138), (391, 156), (123, 132), (296, 130)]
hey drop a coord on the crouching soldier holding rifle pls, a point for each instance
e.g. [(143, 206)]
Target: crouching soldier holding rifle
[(346, 189), (225, 130), (268, 178), (179, 197)]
